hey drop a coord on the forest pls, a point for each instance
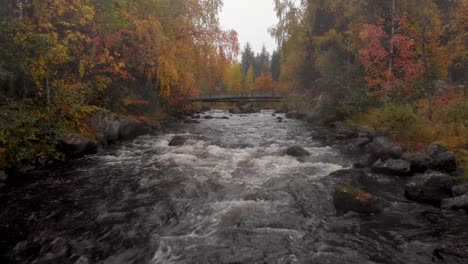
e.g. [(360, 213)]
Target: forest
[(399, 65)]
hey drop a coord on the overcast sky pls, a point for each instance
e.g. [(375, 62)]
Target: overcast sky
[(251, 19)]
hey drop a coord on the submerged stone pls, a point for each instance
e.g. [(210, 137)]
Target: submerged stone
[(348, 199), (297, 152)]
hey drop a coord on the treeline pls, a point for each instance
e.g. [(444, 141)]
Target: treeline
[(66, 63), (399, 66), (254, 73), (123, 55), (365, 53)]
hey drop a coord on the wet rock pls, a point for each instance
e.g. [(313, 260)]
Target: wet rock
[(353, 177), (235, 110), (189, 121), (460, 202), (196, 117), (442, 159), (348, 199), (105, 125), (360, 142), (297, 152), (208, 117), (392, 167), (383, 148), (461, 189), (347, 133), (177, 141), (225, 117), (431, 187), (279, 119), (419, 162), (454, 253), (445, 162), (434, 149), (131, 128), (365, 132), (337, 125), (364, 161), (76, 146)]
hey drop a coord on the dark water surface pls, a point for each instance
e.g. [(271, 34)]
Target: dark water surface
[(229, 195)]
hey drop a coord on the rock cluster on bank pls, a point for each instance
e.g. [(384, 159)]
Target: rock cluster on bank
[(430, 174), (106, 128)]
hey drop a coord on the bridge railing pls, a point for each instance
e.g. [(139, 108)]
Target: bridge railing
[(240, 95)]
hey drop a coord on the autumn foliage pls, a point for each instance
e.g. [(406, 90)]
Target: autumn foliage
[(381, 76)]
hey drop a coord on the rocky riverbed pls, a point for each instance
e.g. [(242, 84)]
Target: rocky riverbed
[(240, 188)]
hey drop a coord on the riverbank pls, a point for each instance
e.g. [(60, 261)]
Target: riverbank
[(34, 137), (227, 188)]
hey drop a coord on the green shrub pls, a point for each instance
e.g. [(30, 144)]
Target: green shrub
[(27, 136)]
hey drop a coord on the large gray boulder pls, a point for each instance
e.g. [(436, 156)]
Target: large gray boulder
[(105, 125), (74, 145), (347, 198), (131, 128), (442, 159), (419, 162), (456, 203), (384, 148), (177, 141), (364, 161), (297, 152), (431, 187), (392, 166)]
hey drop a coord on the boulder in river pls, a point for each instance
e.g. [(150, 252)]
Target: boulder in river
[(348, 199), (76, 146), (419, 162), (431, 187), (456, 203), (383, 148), (297, 152), (360, 142), (445, 162), (105, 125), (364, 161), (392, 167), (208, 117), (442, 159), (177, 141), (131, 128)]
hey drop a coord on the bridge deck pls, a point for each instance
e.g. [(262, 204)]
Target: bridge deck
[(236, 97)]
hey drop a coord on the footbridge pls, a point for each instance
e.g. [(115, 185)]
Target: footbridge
[(240, 97)]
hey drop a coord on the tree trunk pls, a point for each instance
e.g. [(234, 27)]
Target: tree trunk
[(390, 62), (427, 77), (47, 91)]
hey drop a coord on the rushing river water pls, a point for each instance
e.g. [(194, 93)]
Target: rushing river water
[(229, 195)]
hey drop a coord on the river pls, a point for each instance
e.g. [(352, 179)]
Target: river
[(229, 195)]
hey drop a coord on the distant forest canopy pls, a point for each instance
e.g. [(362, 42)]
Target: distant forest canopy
[(382, 50), (114, 54)]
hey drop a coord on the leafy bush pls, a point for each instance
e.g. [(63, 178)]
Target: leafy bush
[(27, 136)]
